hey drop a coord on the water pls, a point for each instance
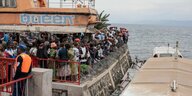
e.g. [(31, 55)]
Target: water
[(143, 39)]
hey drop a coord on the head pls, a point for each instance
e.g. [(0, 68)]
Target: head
[(15, 44), (10, 45), (99, 46), (67, 46), (62, 45), (77, 40), (91, 45), (76, 44), (83, 44), (53, 45), (21, 49)]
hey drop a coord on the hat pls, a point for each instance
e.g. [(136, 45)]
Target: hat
[(53, 45), (22, 47), (77, 40)]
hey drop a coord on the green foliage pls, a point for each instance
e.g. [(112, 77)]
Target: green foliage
[(103, 18), (84, 68)]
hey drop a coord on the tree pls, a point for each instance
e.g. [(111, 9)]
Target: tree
[(103, 18)]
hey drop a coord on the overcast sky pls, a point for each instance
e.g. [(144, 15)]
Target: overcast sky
[(136, 11), (133, 11)]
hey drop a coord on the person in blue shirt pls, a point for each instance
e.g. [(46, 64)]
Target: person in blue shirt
[(6, 37), (62, 53)]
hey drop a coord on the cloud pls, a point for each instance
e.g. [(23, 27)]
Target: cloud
[(142, 10)]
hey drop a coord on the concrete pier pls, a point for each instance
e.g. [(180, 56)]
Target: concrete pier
[(104, 81)]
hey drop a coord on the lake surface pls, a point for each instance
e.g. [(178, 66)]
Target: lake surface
[(143, 39)]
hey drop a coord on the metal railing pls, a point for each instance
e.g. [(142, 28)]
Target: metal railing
[(19, 87), (72, 4), (6, 70), (8, 86), (63, 70)]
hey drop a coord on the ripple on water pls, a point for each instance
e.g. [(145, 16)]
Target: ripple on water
[(143, 38)]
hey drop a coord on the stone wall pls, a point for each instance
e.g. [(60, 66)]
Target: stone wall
[(109, 73)]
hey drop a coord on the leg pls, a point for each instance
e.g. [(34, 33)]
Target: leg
[(19, 88)]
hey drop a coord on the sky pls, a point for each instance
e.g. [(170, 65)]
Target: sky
[(137, 11), (145, 11)]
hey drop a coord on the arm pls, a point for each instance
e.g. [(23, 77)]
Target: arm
[(18, 72)]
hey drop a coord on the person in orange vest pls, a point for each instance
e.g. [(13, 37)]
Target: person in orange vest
[(23, 68)]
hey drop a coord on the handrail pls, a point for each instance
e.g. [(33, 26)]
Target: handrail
[(58, 60), (73, 3), (7, 58), (15, 81), (63, 70)]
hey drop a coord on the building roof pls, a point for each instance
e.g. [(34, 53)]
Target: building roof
[(156, 76)]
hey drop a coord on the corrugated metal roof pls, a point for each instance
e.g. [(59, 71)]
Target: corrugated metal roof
[(156, 75)]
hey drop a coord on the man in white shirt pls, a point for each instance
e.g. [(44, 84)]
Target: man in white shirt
[(85, 54), (76, 52)]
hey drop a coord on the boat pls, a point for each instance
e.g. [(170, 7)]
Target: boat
[(164, 51), (162, 76), (36, 16)]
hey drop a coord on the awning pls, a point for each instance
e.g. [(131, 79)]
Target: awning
[(50, 29)]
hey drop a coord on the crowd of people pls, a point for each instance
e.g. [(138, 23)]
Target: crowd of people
[(85, 48)]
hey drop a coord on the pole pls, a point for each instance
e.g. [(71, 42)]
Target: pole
[(176, 53), (48, 3), (61, 4)]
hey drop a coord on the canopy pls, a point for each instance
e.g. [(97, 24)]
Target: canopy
[(50, 29)]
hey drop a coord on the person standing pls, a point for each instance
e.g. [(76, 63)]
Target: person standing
[(64, 71), (9, 51), (76, 52), (85, 54), (2, 67), (6, 37), (62, 52), (23, 68), (33, 54), (42, 54), (72, 58), (1, 51), (53, 50)]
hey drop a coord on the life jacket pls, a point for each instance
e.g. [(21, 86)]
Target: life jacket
[(26, 64)]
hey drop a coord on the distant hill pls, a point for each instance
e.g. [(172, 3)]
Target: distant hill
[(165, 23), (174, 23)]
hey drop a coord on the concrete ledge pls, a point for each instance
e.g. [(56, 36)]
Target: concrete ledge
[(99, 84)]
